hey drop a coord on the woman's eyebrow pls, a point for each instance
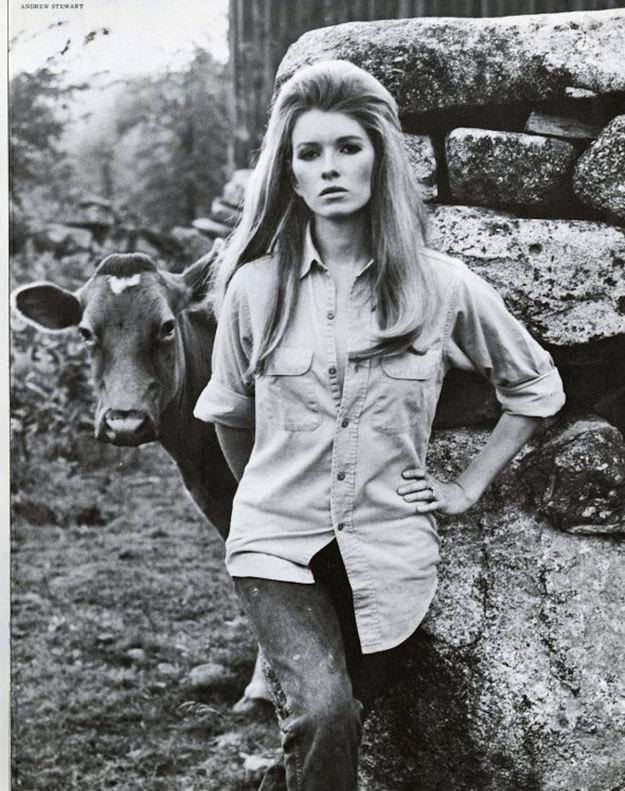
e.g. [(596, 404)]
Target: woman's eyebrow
[(339, 140)]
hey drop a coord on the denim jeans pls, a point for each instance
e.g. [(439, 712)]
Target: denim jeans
[(322, 682)]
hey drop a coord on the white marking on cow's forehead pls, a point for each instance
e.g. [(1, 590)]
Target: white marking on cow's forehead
[(119, 284)]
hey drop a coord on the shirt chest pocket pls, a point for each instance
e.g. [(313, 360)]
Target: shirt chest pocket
[(292, 401), (405, 391)]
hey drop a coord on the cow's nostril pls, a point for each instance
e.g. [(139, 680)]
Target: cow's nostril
[(128, 427)]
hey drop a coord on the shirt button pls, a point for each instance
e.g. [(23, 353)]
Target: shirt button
[(332, 370), (340, 526), (330, 315), (341, 476), (345, 423)]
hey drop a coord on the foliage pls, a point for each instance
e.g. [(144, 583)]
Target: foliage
[(51, 396), (37, 120), (173, 129)]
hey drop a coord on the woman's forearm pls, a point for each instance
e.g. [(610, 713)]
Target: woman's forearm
[(236, 445), (506, 440)]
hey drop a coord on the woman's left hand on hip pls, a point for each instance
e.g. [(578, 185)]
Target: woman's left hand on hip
[(430, 494)]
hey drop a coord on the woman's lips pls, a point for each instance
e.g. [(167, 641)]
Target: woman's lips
[(332, 191)]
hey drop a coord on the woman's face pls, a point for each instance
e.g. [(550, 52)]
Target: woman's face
[(332, 163)]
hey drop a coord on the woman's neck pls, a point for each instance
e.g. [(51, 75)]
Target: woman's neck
[(343, 242)]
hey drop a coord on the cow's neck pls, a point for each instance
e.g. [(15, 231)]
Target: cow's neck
[(191, 443)]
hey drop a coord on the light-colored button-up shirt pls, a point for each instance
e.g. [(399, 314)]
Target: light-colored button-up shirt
[(327, 460)]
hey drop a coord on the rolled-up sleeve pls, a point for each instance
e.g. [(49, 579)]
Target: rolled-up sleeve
[(228, 398), (486, 338)]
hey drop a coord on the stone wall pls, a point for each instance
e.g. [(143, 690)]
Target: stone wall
[(262, 30), (516, 129)]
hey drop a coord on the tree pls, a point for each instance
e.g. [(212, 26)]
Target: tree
[(173, 130), (36, 125)]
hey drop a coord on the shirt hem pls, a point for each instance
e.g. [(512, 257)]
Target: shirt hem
[(404, 635)]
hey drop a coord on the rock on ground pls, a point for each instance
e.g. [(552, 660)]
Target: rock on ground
[(490, 168), (431, 63), (564, 279), (599, 179), (577, 478), (423, 162), (517, 680)]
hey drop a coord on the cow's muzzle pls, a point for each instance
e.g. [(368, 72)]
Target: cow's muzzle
[(126, 427)]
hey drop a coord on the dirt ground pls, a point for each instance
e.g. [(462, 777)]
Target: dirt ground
[(118, 591)]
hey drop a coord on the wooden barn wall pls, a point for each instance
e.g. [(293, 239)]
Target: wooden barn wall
[(262, 30)]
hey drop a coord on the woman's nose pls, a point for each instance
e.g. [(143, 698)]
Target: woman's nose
[(329, 170)]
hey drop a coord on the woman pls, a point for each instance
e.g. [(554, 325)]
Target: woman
[(336, 326)]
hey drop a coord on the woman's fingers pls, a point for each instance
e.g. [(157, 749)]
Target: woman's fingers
[(432, 505), (414, 472), (414, 486), (424, 494), (422, 490)]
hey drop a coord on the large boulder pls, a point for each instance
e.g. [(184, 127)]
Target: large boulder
[(431, 63), (565, 279), (517, 682), (423, 162), (599, 179), (577, 478), (509, 169)]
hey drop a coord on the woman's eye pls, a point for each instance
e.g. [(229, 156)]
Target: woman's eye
[(350, 148), (307, 154)]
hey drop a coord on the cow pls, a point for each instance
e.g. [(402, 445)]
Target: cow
[(150, 335)]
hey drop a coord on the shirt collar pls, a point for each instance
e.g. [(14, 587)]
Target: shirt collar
[(310, 256)]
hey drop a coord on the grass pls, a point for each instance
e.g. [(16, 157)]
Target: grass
[(118, 590)]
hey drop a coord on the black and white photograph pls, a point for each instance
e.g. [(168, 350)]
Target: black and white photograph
[(317, 395)]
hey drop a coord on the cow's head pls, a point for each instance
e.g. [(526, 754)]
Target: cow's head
[(128, 314)]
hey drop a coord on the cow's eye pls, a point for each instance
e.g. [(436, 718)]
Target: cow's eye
[(87, 336), (167, 330)]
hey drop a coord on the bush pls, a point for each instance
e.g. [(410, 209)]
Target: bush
[(51, 397)]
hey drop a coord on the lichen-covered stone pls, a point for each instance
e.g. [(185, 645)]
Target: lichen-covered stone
[(423, 163), (508, 169), (564, 279), (599, 179), (431, 63), (517, 681), (577, 478)]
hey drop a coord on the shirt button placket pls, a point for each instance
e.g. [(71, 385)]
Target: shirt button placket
[(331, 352)]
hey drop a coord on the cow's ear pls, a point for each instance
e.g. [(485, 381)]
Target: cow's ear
[(48, 306), (196, 279)]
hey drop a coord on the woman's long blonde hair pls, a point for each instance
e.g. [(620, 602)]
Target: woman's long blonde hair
[(274, 218)]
